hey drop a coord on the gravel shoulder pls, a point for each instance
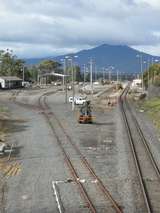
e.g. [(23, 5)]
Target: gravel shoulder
[(40, 162), (38, 157), (151, 133), (104, 143)]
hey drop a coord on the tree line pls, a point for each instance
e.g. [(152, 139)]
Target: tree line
[(10, 65), (152, 75)]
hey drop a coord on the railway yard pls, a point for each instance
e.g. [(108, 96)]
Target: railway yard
[(56, 164)]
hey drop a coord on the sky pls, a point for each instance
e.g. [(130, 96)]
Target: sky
[(39, 28)]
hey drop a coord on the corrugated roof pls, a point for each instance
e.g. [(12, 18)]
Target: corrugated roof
[(11, 78)]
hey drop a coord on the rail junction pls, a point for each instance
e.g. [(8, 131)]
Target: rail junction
[(95, 194), (147, 168)]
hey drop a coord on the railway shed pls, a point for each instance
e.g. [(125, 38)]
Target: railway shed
[(10, 82)]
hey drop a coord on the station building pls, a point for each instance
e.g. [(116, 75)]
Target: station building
[(10, 82), (137, 83)]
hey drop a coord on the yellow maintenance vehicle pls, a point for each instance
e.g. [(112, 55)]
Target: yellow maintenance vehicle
[(85, 113)]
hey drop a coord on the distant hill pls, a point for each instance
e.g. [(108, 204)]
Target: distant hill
[(121, 57), (34, 61)]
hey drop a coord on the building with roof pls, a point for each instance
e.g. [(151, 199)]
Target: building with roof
[(10, 82), (136, 83)]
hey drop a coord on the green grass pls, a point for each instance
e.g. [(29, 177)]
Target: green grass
[(3, 129), (152, 107), (3, 109), (153, 103)]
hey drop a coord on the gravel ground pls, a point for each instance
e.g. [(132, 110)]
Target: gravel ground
[(149, 175), (127, 180), (41, 162), (150, 132), (104, 143)]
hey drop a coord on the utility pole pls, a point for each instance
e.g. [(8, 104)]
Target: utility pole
[(63, 75), (117, 77), (154, 76), (91, 75), (73, 92), (95, 73), (23, 73), (141, 69), (65, 80), (109, 75), (73, 79), (148, 71), (103, 70), (38, 77), (84, 73)]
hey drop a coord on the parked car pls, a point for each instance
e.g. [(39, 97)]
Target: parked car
[(77, 100), (2, 148), (57, 83), (70, 99), (26, 84), (69, 87), (80, 100)]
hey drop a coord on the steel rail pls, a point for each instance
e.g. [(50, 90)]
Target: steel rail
[(83, 192), (103, 189), (70, 166), (2, 200), (153, 161), (100, 184), (135, 156)]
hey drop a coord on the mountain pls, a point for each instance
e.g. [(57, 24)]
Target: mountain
[(34, 61), (121, 57)]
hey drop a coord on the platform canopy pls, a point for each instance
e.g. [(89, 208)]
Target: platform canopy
[(53, 74)]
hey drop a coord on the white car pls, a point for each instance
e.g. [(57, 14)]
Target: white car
[(77, 100), (80, 101), (70, 99), (69, 87), (26, 84)]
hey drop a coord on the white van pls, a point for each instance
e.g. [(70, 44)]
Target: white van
[(77, 100), (80, 100)]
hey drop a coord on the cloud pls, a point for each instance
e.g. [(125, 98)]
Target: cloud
[(47, 27), (153, 50), (152, 3)]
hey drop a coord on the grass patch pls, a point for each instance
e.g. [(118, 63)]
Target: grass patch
[(4, 113), (3, 109), (152, 104), (152, 107)]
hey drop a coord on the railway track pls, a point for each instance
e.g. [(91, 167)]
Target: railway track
[(2, 198), (95, 180), (28, 105), (78, 165), (146, 166)]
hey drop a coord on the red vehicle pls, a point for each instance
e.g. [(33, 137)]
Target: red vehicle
[(85, 113), (85, 119)]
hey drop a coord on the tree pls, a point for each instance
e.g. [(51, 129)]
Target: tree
[(48, 66), (87, 77), (9, 64), (33, 73), (152, 75), (77, 73)]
